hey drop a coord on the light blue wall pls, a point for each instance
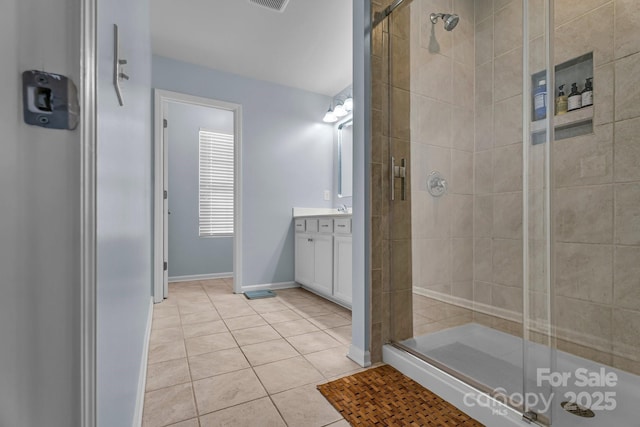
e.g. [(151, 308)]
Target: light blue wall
[(190, 254), (39, 225), (287, 158), (124, 198)]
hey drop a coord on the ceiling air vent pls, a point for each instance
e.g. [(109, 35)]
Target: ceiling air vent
[(277, 5)]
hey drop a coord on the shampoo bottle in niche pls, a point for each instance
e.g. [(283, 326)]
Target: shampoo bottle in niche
[(540, 100), (575, 98), (562, 103), (587, 93)]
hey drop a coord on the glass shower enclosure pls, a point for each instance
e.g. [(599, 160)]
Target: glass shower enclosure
[(506, 198)]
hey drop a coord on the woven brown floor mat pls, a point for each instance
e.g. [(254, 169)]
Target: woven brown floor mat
[(382, 396)]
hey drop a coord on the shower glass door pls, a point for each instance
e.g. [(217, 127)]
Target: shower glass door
[(465, 282)]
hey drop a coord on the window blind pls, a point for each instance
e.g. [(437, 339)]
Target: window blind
[(216, 201)]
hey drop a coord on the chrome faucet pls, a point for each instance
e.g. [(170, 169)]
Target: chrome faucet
[(343, 208)]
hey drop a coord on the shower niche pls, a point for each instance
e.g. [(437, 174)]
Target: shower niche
[(572, 123)]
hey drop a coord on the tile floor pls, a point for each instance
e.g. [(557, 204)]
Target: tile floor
[(219, 359)]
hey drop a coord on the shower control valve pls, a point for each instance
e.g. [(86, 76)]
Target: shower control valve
[(436, 184)]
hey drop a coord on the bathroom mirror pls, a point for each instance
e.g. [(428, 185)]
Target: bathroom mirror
[(345, 158)]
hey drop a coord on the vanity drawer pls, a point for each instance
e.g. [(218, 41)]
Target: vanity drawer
[(343, 226), (300, 226), (312, 225), (326, 225)]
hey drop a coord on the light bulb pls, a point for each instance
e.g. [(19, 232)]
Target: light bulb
[(348, 104), (340, 111), (330, 117)]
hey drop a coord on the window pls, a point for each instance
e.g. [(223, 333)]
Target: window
[(216, 196)]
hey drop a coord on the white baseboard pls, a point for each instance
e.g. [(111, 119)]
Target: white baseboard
[(142, 380), (270, 286), (195, 277), (361, 357)]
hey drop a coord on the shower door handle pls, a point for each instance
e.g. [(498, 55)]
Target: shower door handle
[(398, 172)]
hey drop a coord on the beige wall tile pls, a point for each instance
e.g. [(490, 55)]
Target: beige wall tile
[(434, 122), (626, 281), (436, 266), (461, 215), (484, 85), (567, 10), (463, 87), (403, 317), (401, 263), (507, 168), (462, 260), (462, 130), (400, 70), (462, 290), (400, 104), (584, 272), (585, 352), (483, 172), (586, 159), (484, 9), (536, 18), (627, 28), (603, 91), (431, 215), (508, 74), (583, 322), (434, 76), (571, 39), (625, 364), (626, 333), (482, 292), (434, 38), (508, 32), (507, 215), (461, 172), (627, 88), (627, 214), (584, 214), (484, 41), (483, 259), (484, 127), (537, 54), (499, 4), (483, 216), (507, 121), (506, 297), (464, 42), (627, 150), (507, 262)]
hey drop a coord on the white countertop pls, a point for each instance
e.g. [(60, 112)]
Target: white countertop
[(315, 212)]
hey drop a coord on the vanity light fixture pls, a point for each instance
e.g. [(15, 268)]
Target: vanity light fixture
[(348, 104), (330, 116), (340, 111)]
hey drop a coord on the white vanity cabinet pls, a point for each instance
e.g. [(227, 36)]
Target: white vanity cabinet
[(323, 256)]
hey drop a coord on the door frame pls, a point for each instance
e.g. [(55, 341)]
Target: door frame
[(162, 98)]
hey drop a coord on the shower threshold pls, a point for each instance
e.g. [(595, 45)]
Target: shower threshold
[(494, 360)]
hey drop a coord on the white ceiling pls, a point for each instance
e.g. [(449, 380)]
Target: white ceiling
[(308, 46)]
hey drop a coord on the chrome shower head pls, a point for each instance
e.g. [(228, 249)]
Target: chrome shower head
[(450, 19)]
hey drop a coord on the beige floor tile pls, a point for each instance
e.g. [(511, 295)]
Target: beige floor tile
[(270, 351), (305, 407), (166, 351), (255, 335), (168, 405), (206, 328), (190, 308), (259, 412), (214, 282), (209, 343), (245, 322), (203, 316), (295, 327), (332, 362), (235, 309), (160, 336), (313, 342), (329, 321), (270, 305), (227, 390), (165, 374), (281, 316), (172, 321), (312, 310), (341, 333), (287, 374), (189, 423), (216, 363), (163, 310), (341, 423)]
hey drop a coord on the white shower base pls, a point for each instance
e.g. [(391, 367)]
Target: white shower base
[(494, 358)]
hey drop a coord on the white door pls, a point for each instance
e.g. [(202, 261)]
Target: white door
[(304, 259), (342, 267)]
